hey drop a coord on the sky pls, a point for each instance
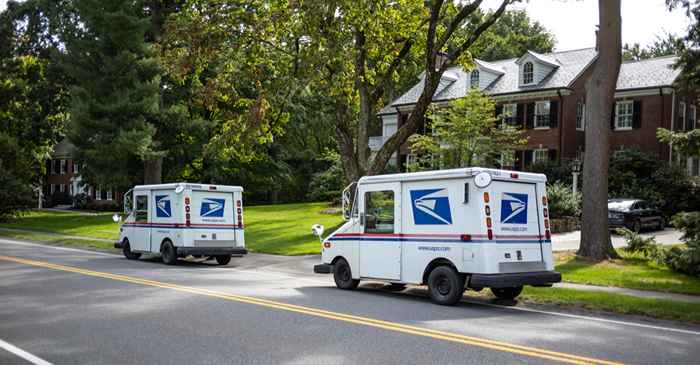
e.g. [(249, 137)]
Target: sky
[(573, 21)]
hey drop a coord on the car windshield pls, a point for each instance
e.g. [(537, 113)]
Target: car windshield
[(620, 205)]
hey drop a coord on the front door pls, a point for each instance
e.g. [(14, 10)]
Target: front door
[(380, 219), (140, 239)]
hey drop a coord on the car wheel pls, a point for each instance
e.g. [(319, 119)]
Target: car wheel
[(445, 285), (126, 249), (343, 275), (507, 293), (168, 253), (223, 259), (637, 226)]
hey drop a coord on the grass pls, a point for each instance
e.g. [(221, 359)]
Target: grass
[(59, 240), (630, 271), (283, 229), (616, 303)]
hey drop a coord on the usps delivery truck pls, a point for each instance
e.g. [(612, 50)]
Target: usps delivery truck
[(451, 229), (177, 220)]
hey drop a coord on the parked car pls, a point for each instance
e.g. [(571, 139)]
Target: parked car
[(634, 214)]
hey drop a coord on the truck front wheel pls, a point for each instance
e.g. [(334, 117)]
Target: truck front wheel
[(507, 293), (168, 253), (343, 275), (126, 249), (223, 259), (445, 285)]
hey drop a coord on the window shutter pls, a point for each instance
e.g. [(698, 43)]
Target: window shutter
[(520, 114), (517, 164), (553, 113), (528, 158), (637, 114), (530, 121), (612, 116), (499, 115), (552, 155)]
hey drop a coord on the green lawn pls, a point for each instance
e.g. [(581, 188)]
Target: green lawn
[(616, 303), (283, 229), (631, 271)]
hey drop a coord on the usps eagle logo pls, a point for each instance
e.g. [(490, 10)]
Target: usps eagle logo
[(431, 206), (163, 206), (212, 207), (514, 208)]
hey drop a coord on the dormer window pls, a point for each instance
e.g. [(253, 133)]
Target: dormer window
[(528, 73), (474, 79)]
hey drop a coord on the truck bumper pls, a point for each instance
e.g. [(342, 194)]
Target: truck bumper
[(211, 251), (119, 245), (539, 278), (323, 269)]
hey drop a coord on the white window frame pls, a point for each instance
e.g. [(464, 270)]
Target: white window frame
[(474, 79), (63, 166), (52, 188), (530, 73), (510, 111), (542, 152), (98, 194), (542, 117), (62, 188), (628, 115), (75, 167), (693, 117), (681, 112), (580, 116), (53, 166), (109, 194)]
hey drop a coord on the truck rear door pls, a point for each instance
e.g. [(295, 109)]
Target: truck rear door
[(213, 215), (517, 228)]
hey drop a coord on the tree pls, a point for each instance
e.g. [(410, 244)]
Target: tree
[(511, 36), (689, 58), (464, 134), (600, 95), (665, 45)]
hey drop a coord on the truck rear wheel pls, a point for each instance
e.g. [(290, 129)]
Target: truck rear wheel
[(343, 275), (168, 253), (445, 285), (223, 259), (507, 293), (126, 249)]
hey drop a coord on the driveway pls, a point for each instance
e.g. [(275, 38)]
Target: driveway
[(570, 240)]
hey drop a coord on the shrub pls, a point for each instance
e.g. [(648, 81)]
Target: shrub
[(327, 185), (638, 244), (81, 201), (562, 201), (555, 171), (104, 205), (59, 198), (16, 191), (686, 260)]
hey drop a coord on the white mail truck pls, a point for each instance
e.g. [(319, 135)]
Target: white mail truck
[(178, 220), (450, 229)]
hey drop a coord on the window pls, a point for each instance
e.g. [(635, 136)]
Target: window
[(98, 195), (109, 194), (510, 112), (528, 73), (580, 116), (62, 188), (379, 212), (53, 188), (75, 167), (72, 190), (540, 155), (474, 79), (693, 118), (623, 115), (63, 167), (681, 116), (507, 159), (141, 213), (542, 114)]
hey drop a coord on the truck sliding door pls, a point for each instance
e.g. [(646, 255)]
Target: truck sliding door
[(140, 239), (380, 217)]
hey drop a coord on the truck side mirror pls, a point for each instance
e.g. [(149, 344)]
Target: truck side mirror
[(116, 218), (317, 230)]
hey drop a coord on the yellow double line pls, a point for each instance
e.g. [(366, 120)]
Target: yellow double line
[(364, 321)]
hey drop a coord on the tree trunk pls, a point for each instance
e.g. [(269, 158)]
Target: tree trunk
[(152, 171), (600, 97), (346, 143)]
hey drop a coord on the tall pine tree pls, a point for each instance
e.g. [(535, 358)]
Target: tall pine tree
[(116, 104)]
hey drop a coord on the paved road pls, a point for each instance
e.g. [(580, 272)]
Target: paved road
[(571, 240), (73, 307)]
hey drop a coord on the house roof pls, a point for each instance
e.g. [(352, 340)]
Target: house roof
[(654, 72), (540, 57)]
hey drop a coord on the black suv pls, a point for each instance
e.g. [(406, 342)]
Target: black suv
[(634, 214)]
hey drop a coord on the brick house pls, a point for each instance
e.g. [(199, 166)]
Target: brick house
[(63, 176), (544, 94)]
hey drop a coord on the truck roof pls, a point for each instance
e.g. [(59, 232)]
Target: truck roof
[(454, 173), (191, 186)]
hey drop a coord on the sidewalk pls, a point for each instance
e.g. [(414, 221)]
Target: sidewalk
[(632, 292), (570, 240)]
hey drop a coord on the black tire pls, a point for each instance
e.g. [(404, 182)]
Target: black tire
[(342, 274), (445, 285), (507, 293), (223, 259), (126, 249), (395, 287), (168, 253), (637, 226)]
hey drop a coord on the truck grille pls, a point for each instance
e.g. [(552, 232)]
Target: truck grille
[(512, 267)]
